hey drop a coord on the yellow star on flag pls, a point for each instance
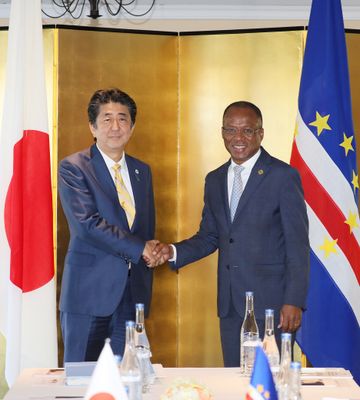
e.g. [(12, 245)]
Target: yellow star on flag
[(321, 123), (328, 246), (355, 181), (267, 395), (351, 221), (260, 388), (346, 144)]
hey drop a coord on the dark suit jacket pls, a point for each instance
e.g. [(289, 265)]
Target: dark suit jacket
[(265, 249), (101, 243)]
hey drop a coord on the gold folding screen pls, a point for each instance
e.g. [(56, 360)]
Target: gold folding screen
[(182, 85), (353, 48), (216, 70), (145, 66)]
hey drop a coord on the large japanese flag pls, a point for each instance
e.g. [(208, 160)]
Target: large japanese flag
[(324, 151), (27, 285)]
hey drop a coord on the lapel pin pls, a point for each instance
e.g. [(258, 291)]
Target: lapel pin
[(137, 175), (260, 171)]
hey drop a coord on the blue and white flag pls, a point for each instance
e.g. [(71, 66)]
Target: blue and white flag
[(324, 152)]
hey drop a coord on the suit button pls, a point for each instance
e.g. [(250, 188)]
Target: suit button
[(227, 266), (231, 240)]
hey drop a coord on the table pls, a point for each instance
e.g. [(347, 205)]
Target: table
[(224, 383)]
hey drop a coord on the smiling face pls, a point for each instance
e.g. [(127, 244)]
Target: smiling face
[(113, 129), (241, 145)]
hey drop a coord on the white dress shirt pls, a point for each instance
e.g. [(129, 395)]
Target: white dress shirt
[(248, 165), (124, 174), (245, 174), (123, 170)]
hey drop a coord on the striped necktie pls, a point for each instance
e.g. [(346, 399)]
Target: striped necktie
[(125, 199), (236, 190)]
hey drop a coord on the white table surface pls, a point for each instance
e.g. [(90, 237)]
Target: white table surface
[(224, 383)]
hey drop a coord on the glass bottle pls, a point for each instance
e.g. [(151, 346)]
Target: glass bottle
[(269, 343), (249, 336), (295, 381), (130, 368), (283, 381), (142, 347), (140, 333)]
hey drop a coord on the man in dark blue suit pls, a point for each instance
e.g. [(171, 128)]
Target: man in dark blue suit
[(107, 197), (255, 215)]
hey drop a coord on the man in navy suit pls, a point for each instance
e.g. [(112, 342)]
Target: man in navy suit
[(107, 197), (263, 243)]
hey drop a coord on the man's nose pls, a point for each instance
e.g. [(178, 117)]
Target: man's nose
[(239, 134), (115, 125)]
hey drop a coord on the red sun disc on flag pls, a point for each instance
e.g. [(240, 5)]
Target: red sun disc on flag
[(28, 213), (102, 396)]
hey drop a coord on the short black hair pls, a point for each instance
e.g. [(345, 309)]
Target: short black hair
[(245, 104), (112, 95)]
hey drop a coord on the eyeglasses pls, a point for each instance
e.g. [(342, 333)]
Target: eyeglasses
[(247, 132)]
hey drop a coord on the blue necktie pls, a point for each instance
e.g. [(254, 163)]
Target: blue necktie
[(236, 190)]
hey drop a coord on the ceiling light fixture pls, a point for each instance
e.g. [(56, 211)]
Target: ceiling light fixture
[(76, 8)]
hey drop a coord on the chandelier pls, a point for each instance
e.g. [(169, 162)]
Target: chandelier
[(75, 8)]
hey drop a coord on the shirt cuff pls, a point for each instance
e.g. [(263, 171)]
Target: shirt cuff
[(173, 258)]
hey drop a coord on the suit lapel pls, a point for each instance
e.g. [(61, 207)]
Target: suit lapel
[(101, 173), (137, 185), (105, 180), (258, 174), (224, 189)]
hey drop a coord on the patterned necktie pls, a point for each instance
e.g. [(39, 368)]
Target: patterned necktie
[(236, 190), (124, 196)]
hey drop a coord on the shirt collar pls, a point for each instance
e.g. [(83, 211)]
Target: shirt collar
[(110, 162), (248, 164)]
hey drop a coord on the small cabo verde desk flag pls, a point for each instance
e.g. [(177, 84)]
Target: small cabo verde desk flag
[(324, 152), (262, 385)]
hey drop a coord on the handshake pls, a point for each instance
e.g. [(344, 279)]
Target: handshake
[(156, 253)]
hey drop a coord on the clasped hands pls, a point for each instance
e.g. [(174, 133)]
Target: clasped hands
[(156, 253)]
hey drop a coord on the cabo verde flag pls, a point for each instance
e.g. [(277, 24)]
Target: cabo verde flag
[(27, 285), (262, 386), (324, 151)]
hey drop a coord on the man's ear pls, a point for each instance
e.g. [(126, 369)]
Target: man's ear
[(262, 133), (92, 129)]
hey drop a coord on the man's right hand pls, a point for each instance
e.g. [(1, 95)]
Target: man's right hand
[(163, 252), (156, 253), (147, 254)]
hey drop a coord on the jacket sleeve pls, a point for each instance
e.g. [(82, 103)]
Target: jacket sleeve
[(296, 232), (204, 242), (84, 219)]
